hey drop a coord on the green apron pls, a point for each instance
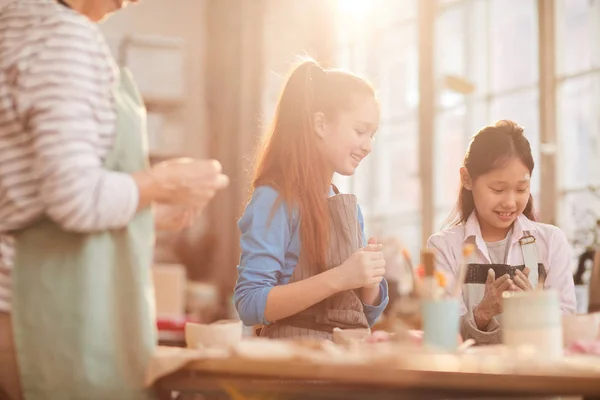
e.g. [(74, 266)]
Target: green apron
[(83, 304)]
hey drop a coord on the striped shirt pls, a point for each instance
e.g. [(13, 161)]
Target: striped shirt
[(57, 125)]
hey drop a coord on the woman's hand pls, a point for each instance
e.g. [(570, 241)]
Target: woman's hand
[(181, 181), (186, 181), (168, 218)]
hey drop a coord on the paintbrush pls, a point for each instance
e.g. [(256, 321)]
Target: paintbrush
[(409, 264), (429, 281)]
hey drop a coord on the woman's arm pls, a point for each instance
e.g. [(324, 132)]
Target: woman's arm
[(63, 96)]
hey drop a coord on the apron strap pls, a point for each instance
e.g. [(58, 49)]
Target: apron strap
[(530, 255)]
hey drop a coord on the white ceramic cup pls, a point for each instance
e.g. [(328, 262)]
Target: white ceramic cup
[(533, 319), (346, 336), (221, 334)]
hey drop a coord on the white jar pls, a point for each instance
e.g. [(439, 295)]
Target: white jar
[(533, 319)]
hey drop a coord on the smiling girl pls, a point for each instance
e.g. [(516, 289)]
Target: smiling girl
[(305, 268), (495, 213)]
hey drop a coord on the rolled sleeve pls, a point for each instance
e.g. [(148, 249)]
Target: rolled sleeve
[(373, 312), (265, 235), (491, 335), (446, 262)]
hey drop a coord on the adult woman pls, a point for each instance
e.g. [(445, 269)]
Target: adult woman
[(75, 193)]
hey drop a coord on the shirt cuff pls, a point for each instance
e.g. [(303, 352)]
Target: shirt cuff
[(491, 335), (134, 195), (372, 312), (261, 305)]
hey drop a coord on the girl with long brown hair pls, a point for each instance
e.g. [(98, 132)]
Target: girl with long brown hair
[(305, 267)]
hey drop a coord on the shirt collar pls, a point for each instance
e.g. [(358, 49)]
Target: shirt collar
[(473, 231)]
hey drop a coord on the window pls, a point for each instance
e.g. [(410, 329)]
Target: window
[(491, 45), (486, 65), (577, 33), (513, 44), (578, 120), (387, 182), (450, 145)]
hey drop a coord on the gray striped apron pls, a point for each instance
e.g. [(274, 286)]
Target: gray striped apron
[(342, 310)]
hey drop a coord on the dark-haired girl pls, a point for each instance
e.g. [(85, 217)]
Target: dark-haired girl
[(495, 212)]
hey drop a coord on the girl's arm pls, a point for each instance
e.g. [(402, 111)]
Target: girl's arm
[(261, 293), (488, 331), (286, 300)]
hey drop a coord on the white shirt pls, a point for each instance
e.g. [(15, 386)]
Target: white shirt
[(553, 250), (57, 124)]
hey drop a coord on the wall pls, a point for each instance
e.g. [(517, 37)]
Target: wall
[(185, 126), (292, 29), (253, 44)]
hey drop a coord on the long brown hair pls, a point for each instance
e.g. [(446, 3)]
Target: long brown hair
[(289, 159), (489, 149)]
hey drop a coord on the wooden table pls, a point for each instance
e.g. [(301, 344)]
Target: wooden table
[(278, 380)]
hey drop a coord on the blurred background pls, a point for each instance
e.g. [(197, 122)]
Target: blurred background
[(211, 71)]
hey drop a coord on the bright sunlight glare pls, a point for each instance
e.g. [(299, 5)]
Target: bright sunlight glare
[(354, 7)]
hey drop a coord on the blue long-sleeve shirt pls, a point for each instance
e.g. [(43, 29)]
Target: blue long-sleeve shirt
[(270, 242)]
